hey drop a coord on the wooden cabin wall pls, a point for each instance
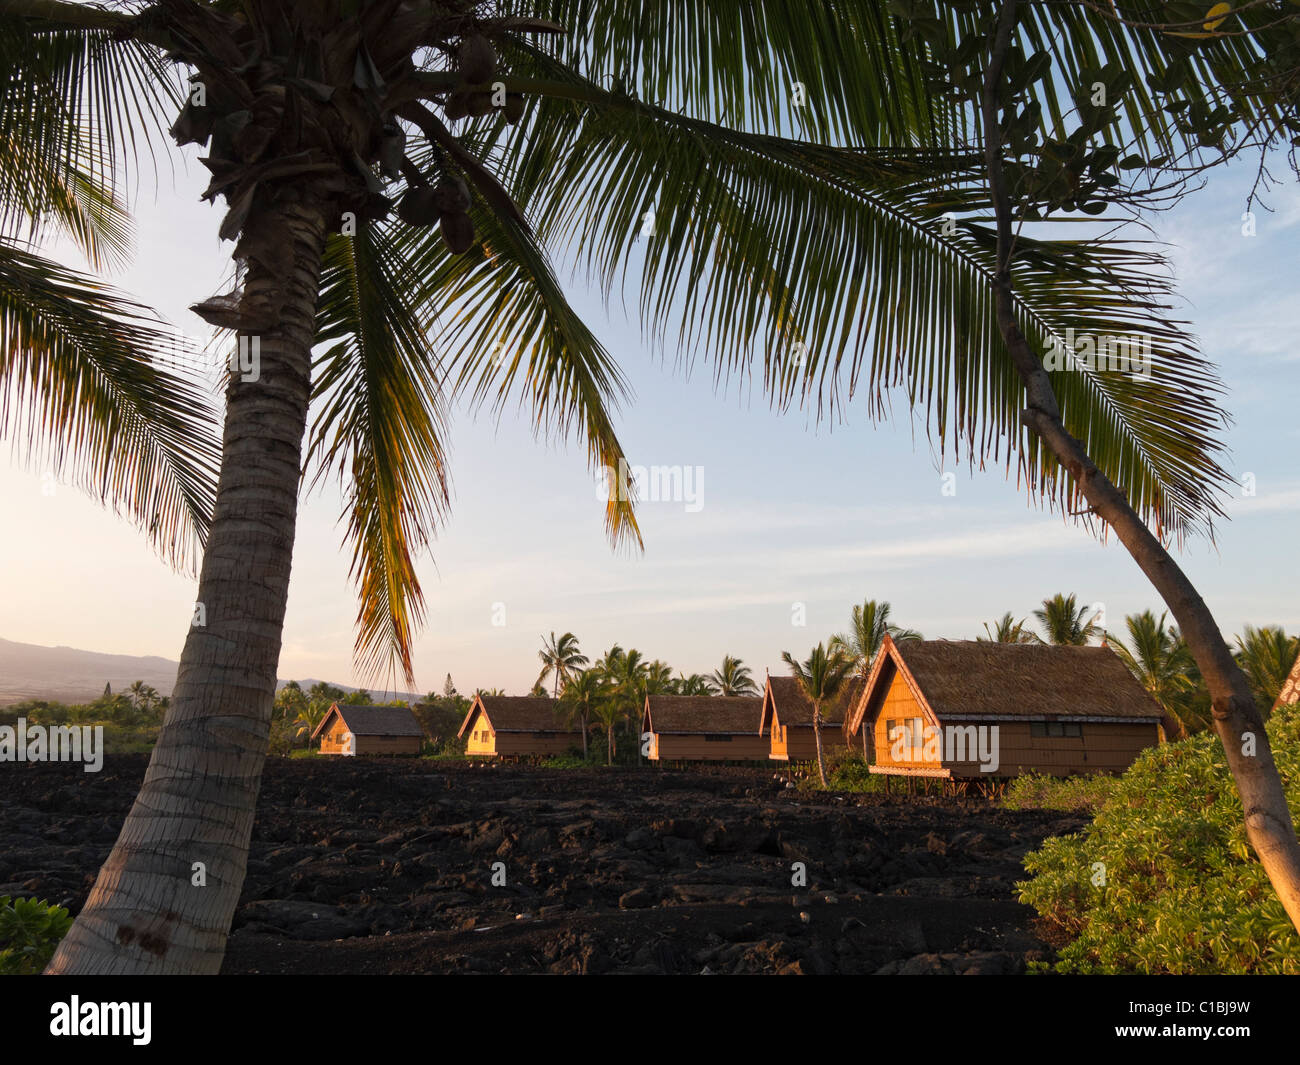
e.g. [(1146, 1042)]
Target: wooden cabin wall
[(741, 747), (524, 743), (387, 745)]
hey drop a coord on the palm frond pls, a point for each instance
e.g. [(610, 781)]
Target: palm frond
[(837, 269), (380, 424), (81, 398)]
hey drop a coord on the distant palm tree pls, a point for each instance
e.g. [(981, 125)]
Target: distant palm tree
[(583, 694), (608, 713), (734, 678), (1007, 630), (560, 659), (1162, 661), (866, 635), (695, 684), (309, 716), (821, 677), (1266, 655), (658, 678), (1064, 623)]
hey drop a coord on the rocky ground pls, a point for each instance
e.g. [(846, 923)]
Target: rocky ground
[(388, 866)]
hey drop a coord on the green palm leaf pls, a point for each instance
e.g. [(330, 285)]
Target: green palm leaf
[(82, 398), (380, 422)]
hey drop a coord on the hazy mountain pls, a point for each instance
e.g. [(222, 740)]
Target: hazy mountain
[(70, 675)]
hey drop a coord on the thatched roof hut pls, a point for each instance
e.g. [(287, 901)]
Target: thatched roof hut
[(351, 730), (1290, 691), (1046, 708), (787, 719), (517, 726), (703, 728)]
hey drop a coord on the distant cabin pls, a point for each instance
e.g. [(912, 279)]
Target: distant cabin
[(787, 719), (517, 726), (353, 730), (1290, 691), (938, 708), (703, 728)]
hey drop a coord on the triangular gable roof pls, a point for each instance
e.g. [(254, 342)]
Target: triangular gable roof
[(977, 680), (517, 713), (696, 714), (786, 697), (1290, 692), (373, 720)]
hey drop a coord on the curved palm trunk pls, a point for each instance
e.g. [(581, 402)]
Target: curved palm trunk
[(1237, 718), (145, 914), (817, 736)]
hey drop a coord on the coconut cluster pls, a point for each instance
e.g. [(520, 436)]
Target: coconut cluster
[(306, 104)]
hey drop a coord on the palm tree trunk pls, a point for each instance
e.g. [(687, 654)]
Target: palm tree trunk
[(817, 736), (1237, 718), (145, 915), (585, 756)]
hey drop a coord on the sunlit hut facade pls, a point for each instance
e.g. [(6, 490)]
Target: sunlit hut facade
[(1290, 690), (969, 710), (517, 726), (362, 730), (786, 720), (703, 728)]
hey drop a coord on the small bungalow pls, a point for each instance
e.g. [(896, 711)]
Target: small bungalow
[(353, 730), (1290, 691), (703, 728), (787, 719), (973, 710), (516, 727)]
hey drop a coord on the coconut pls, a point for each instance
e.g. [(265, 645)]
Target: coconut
[(457, 231), (452, 195), (456, 106), (480, 103), (418, 206), (477, 58), (514, 108)]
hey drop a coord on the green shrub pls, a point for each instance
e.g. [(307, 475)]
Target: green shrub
[(1038, 791), (1182, 890), (29, 932)]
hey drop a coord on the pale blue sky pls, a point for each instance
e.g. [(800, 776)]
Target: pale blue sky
[(793, 513)]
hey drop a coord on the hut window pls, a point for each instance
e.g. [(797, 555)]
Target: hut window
[(911, 727), (1055, 729)]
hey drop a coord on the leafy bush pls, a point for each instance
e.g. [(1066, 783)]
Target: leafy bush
[(1182, 891), (1038, 791), (29, 932)]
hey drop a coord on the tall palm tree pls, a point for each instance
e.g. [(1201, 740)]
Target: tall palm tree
[(583, 693), (310, 154), (733, 678), (1064, 622), (822, 677), (560, 658), (1008, 630), (1267, 655), (870, 622), (658, 678), (1161, 660)]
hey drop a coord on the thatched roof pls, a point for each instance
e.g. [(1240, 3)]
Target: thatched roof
[(373, 720), (794, 709), (712, 714), (517, 713), (1290, 691), (972, 680)]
